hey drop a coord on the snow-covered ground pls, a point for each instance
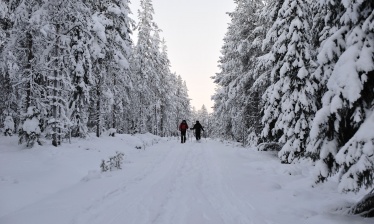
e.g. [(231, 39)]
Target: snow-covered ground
[(163, 182)]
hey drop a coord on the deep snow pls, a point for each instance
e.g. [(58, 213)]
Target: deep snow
[(163, 182)]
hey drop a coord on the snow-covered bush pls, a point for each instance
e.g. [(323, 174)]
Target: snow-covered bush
[(8, 126), (341, 136), (366, 206), (112, 132), (270, 146), (30, 131), (114, 163)]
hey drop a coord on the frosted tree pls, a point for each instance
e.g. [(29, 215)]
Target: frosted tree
[(204, 117), (22, 50), (119, 76), (64, 63), (236, 76), (7, 98), (262, 67), (144, 68), (330, 44), (157, 79), (248, 96), (347, 109), (31, 127), (327, 40), (183, 106), (222, 123), (110, 52), (232, 65), (289, 100), (166, 91), (8, 126), (80, 66)]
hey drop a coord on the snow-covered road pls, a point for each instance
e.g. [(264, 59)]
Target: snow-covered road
[(208, 182)]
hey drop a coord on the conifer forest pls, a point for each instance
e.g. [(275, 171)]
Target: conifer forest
[(295, 76)]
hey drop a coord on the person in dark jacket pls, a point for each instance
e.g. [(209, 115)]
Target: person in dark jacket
[(197, 127), (183, 128)]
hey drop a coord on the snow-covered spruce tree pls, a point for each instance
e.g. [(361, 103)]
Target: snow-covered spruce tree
[(289, 100), (80, 66), (236, 78), (57, 27), (9, 101), (110, 51), (347, 113), (180, 103), (264, 63), (155, 85), (204, 117), (145, 72), (23, 51), (184, 105), (231, 67), (119, 76), (261, 66), (247, 96), (222, 124), (166, 91), (329, 42)]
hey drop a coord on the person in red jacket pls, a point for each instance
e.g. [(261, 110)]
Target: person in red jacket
[(183, 128)]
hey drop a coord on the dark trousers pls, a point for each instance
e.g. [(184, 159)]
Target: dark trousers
[(198, 135), (183, 136)]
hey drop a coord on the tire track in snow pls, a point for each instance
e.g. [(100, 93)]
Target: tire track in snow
[(138, 196), (231, 207), (185, 186)]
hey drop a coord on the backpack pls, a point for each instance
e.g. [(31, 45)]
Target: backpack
[(183, 127)]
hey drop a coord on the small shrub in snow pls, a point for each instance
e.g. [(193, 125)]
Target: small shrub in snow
[(366, 206), (8, 126), (30, 132), (114, 163), (271, 146), (112, 132), (134, 130)]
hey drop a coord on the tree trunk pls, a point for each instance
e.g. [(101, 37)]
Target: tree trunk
[(98, 109), (30, 57), (55, 137)]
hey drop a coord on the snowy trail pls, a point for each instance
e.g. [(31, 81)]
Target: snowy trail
[(194, 183), (184, 187)]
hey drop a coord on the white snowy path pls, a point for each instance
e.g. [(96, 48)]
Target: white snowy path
[(194, 183)]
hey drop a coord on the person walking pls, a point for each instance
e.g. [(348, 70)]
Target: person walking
[(197, 127), (183, 129)]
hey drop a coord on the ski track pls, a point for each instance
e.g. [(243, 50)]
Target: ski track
[(192, 183), (184, 186)]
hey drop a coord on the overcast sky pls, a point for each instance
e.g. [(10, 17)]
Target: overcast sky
[(194, 32)]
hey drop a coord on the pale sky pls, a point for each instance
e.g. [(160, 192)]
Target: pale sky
[(194, 32)]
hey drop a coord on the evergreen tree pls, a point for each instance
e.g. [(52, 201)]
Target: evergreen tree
[(80, 67), (289, 100), (144, 68), (119, 76), (23, 67), (240, 50), (232, 64), (7, 98), (329, 44), (110, 55), (166, 93), (347, 107)]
